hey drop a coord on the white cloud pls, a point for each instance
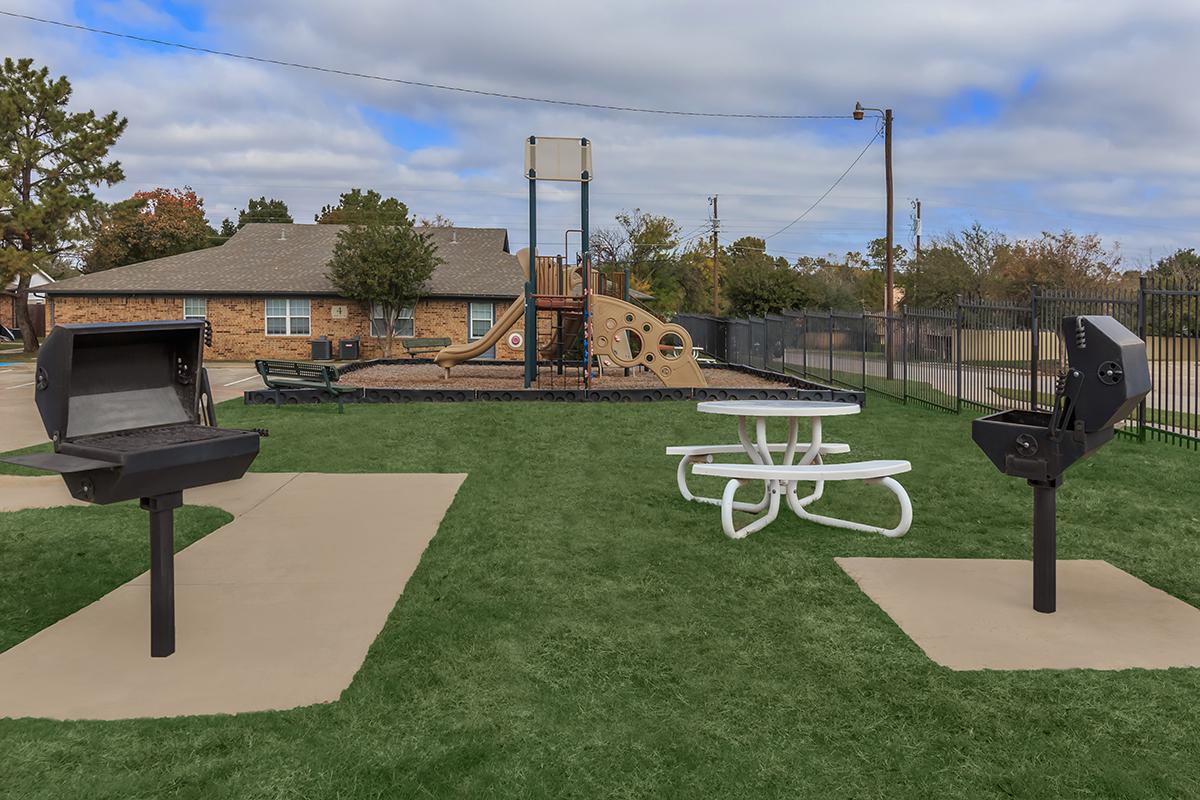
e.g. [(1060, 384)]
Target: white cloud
[(1094, 127)]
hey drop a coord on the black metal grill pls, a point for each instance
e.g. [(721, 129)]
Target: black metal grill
[(122, 404), (1106, 377)]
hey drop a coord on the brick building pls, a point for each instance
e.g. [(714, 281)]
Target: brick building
[(266, 294)]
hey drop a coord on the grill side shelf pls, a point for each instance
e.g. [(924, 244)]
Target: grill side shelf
[(60, 462)]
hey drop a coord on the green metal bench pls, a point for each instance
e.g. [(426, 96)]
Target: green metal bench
[(302, 375), (421, 347)]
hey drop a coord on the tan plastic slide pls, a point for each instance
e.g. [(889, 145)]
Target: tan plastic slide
[(458, 353)]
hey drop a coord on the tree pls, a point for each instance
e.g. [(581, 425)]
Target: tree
[(757, 283), (1182, 266), (50, 160), (937, 277), (826, 282), (438, 221), (648, 243), (1165, 315), (264, 210), (385, 264), (228, 228), (1056, 261), (877, 254), (153, 224), (357, 207)]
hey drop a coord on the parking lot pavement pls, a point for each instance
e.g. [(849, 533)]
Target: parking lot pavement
[(20, 425)]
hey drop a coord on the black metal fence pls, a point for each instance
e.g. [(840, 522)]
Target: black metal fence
[(983, 354)]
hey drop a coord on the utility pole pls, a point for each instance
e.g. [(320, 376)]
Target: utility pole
[(889, 301), (917, 226), (716, 227)]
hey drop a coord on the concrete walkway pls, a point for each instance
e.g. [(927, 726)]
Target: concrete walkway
[(275, 610)]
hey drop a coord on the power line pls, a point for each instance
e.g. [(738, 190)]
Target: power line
[(832, 186), (406, 82)]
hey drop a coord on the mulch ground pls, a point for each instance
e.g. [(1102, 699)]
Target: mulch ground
[(491, 376)]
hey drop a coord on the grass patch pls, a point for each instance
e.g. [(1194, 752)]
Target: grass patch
[(575, 629), (55, 561)]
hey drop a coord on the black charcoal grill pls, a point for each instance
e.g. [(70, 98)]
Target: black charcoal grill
[(122, 404), (1105, 379)]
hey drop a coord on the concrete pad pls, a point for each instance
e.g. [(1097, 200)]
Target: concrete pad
[(275, 610), (969, 614)]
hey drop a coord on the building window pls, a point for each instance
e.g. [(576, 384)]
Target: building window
[(482, 316), (404, 322), (195, 307), (287, 316)]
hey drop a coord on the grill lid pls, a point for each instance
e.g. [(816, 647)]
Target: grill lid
[(114, 376), (1114, 370)]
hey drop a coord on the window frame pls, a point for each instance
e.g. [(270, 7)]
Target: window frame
[(195, 299), (288, 316), (472, 319), (372, 318)]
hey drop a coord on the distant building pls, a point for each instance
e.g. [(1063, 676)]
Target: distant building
[(266, 294), (10, 300)]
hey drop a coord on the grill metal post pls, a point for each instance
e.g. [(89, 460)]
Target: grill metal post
[(162, 571), (1044, 545)]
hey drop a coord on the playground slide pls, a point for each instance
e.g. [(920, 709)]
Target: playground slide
[(458, 353)]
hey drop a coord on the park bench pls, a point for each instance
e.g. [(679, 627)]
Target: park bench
[(302, 375), (423, 347), (783, 478)]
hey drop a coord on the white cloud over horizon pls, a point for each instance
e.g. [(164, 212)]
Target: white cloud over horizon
[(1027, 116)]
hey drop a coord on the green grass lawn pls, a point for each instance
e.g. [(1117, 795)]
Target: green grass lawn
[(577, 630), (54, 561)]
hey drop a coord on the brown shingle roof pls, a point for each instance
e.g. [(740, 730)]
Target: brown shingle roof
[(274, 258)]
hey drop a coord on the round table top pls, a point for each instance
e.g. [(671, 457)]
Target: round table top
[(778, 408)]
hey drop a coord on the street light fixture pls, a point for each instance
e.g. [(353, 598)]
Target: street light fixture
[(888, 303)]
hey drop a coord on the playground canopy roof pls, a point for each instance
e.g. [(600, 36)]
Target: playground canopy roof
[(289, 259)]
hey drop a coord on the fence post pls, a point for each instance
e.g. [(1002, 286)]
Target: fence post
[(804, 342), (1141, 324), (783, 342), (829, 328), (904, 350), (1034, 349), (862, 324), (958, 359)]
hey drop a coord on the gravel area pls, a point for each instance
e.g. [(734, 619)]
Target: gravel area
[(489, 376)]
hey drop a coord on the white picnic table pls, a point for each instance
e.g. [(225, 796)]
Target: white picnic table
[(784, 478)]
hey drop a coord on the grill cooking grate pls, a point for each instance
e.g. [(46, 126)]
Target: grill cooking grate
[(146, 438)]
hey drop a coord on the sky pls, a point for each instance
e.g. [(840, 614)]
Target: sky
[(1026, 115)]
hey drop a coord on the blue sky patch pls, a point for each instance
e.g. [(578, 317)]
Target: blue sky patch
[(405, 132)]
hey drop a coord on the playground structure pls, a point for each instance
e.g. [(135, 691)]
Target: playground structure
[(616, 333), (591, 322)]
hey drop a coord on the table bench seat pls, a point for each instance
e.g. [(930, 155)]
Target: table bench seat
[(828, 448), (703, 453), (782, 479), (853, 471)]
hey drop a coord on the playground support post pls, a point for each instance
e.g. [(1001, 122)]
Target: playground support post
[(531, 283), (585, 243)]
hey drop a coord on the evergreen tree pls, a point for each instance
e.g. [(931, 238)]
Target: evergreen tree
[(50, 160)]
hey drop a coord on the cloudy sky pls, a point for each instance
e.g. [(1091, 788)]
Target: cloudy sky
[(1026, 116)]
